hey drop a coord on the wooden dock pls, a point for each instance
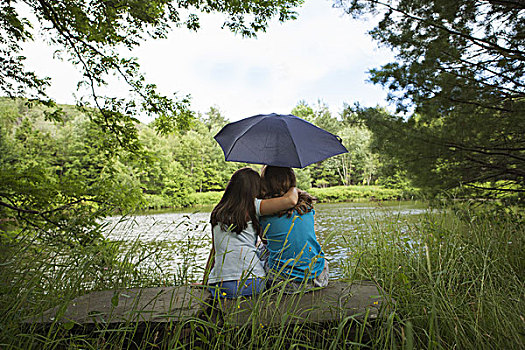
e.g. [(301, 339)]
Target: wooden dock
[(169, 305)]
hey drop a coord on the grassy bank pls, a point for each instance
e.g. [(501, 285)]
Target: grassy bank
[(358, 193), (457, 277), (323, 195)]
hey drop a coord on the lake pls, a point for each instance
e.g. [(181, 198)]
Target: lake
[(177, 244)]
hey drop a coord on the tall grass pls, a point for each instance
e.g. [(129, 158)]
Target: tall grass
[(456, 278)]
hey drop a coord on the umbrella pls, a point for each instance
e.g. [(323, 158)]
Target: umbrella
[(277, 139)]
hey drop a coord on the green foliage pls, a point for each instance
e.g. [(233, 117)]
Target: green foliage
[(64, 176), (458, 76), (93, 34), (304, 180), (177, 165), (359, 166), (407, 154), (357, 193), (325, 195), (205, 198), (36, 276), (59, 180), (319, 116), (456, 276)]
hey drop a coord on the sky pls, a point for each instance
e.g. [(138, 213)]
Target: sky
[(324, 56)]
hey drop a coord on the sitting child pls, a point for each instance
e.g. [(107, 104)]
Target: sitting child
[(235, 266), (295, 255)]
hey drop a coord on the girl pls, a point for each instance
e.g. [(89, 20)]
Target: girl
[(235, 266), (295, 253)]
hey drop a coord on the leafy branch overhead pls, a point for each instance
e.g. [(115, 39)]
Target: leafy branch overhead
[(91, 34), (458, 77), (61, 178)]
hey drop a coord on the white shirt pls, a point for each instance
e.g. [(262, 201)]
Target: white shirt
[(235, 253)]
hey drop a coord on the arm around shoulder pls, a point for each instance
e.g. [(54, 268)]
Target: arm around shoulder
[(274, 205)]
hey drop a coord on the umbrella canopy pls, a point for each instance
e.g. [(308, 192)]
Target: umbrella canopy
[(277, 139)]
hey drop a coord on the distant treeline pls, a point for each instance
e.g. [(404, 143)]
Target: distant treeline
[(48, 164)]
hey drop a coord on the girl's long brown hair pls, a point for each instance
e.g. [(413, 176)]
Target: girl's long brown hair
[(236, 207), (276, 181)]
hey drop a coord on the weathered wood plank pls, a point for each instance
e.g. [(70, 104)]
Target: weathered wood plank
[(177, 304), (333, 303), (160, 305)]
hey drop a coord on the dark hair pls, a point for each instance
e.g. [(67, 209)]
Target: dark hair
[(276, 181), (236, 207)]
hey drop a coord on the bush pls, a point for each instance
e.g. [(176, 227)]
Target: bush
[(204, 198), (355, 193), (324, 195)]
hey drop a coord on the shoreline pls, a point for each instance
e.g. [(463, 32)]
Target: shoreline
[(335, 194)]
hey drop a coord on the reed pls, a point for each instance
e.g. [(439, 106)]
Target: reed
[(455, 277)]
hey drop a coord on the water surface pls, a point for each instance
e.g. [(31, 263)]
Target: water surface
[(180, 241)]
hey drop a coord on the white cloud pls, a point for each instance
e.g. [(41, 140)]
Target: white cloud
[(321, 55)]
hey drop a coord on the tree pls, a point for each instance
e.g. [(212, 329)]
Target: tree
[(214, 120), (90, 34), (358, 166), (58, 180), (318, 115), (458, 76), (56, 183), (162, 178), (321, 174)]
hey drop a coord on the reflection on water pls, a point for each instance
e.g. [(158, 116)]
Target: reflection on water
[(184, 238)]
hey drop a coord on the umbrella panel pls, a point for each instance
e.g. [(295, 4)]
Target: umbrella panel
[(280, 140)]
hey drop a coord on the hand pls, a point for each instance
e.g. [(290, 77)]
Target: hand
[(293, 195)]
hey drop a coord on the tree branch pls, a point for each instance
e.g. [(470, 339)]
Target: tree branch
[(20, 210), (477, 150), (483, 43), (494, 188)]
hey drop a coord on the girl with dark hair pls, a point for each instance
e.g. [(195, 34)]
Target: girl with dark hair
[(233, 267), (295, 255)]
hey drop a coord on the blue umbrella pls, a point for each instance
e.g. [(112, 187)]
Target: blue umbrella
[(277, 139)]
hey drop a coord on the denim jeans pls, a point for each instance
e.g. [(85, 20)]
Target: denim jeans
[(234, 289)]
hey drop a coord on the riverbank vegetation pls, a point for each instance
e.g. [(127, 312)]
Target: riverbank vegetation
[(454, 277), (457, 279), (334, 194), (51, 166)]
